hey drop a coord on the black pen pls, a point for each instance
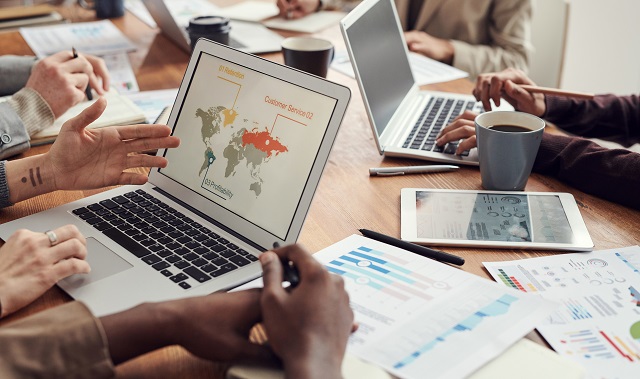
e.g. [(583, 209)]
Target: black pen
[(87, 90), (290, 273), (412, 247)]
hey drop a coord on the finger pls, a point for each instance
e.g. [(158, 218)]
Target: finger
[(255, 354), (61, 56), (355, 326), (304, 262), (130, 178), (149, 144), (456, 124), (128, 132), (101, 71), (64, 233), (272, 274), (484, 95), (495, 91), (71, 266), (457, 134), (467, 144), (145, 160), (86, 117), (94, 83), (78, 65), (80, 81)]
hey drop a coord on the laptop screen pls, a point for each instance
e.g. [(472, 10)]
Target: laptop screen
[(248, 141), (379, 54)]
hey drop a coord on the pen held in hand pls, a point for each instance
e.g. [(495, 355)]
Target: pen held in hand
[(557, 92), (87, 90), (290, 272), (412, 247), (390, 171)]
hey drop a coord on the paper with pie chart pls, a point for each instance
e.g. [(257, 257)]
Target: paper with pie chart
[(598, 321)]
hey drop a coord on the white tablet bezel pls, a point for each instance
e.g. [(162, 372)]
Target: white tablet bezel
[(582, 239)]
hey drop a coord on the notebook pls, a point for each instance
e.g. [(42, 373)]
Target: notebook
[(245, 36), (405, 121), (255, 137)]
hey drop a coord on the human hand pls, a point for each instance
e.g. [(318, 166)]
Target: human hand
[(462, 127), (307, 326), (506, 84), (84, 158), (29, 265), (61, 79), (292, 9), (435, 48)]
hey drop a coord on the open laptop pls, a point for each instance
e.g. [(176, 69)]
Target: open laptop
[(255, 137), (245, 36), (405, 120)]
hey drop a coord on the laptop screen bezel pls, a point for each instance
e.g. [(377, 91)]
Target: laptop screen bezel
[(228, 219)]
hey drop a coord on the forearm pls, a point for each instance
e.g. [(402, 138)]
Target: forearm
[(14, 73), (478, 59), (29, 177), (139, 330), (612, 174), (318, 364)]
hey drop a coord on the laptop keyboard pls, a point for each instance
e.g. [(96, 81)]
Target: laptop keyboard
[(236, 44), (438, 113), (175, 245)]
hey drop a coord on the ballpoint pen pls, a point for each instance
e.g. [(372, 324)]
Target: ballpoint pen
[(389, 171), (290, 273), (87, 90), (412, 247)]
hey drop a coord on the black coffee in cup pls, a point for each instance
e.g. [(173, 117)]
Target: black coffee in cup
[(215, 28)]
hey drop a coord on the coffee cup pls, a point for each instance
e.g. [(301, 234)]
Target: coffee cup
[(508, 143), (312, 55), (215, 28), (104, 8)]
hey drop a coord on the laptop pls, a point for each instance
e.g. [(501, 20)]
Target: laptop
[(255, 137), (245, 36), (405, 120)]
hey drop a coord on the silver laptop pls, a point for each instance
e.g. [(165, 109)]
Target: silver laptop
[(255, 137), (245, 36), (405, 120)]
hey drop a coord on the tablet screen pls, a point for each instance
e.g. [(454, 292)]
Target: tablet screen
[(492, 216)]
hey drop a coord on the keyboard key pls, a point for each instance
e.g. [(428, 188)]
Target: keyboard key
[(199, 262), (120, 199), (240, 261), (173, 258), (209, 268), (80, 211), (164, 253), (166, 273), (197, 274), (95, 207), (182, 264), (109, 204), (161, 266), (228, 253), (126, 242), (190, 256), (179, 277), (184, 285), (151, 259)]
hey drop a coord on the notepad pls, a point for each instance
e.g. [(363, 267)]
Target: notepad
[(119, 111), (312, 23), (15, 17)]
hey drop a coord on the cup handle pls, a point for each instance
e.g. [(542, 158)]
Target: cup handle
[(333, 53), (86, 5)]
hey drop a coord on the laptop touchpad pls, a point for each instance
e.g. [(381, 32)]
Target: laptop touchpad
[(103, 262)]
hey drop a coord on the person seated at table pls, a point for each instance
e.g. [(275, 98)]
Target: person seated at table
[(613, 174), (42, 90), (473, 35), (307, 328)]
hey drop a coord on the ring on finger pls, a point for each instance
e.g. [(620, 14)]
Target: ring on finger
[(53, 237)]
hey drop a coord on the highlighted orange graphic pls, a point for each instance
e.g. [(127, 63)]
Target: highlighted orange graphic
[(263, 141)]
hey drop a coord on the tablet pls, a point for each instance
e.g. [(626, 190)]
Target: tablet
[(500, 219)]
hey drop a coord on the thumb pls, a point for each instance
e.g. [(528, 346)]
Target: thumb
[(517, 93), (271, 273), (87, 116)]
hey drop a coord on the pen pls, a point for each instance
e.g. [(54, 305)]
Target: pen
[(555, 91), (412, 247), (87, 90), (389, 171), (290, 273)]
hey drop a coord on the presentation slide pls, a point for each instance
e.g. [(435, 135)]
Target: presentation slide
[(248, 141)]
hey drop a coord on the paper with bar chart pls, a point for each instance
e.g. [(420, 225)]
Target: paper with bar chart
[(598, 322), (417, 315)]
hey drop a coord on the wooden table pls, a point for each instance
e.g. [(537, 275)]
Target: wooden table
[(346, 199)]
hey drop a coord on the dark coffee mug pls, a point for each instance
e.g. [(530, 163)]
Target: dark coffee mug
[(215, 28), (313, 55), (104, 8)]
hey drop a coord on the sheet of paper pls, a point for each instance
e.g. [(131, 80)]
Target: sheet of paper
[(253, 11), (312, 23), (137, 8), (121, 74), (97, 38), (183, 11), (425, 70), (417, 315), (598, 322), (153, 102)]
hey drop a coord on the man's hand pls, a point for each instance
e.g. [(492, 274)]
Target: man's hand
[(292, 9), (84, 158), (308, 326), (61, 79), (435, 48), (506, 84), (29, 265), (462, 127)]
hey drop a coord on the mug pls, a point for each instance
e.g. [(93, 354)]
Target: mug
[(215, 28), (104, 8), (508, 143), (313, 55)]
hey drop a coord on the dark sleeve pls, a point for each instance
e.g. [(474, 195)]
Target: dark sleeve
[(14, 73), (612, 174), (610, 117)]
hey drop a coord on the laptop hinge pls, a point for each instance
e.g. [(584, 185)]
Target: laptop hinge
[(211, 220)]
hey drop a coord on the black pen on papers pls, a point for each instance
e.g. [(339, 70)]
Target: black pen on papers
[(87, 90), (290, 273), (390, 171), (412, 247)]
